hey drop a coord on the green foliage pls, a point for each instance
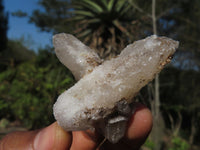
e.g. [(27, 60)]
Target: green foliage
[(31, 83), (18, 52), (14, 54), (28, 92), (149, 144), (179, 144), (102, 24), (55, 16), (4, 123)]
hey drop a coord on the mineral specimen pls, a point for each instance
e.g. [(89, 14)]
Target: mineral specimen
[(101, 98), (79, 58)]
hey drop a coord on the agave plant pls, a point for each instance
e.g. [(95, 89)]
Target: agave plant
[(102, 24)]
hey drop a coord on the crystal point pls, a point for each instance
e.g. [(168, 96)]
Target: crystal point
[(76, 56), (96, 95)]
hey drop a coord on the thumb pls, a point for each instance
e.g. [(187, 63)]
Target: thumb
[(52, 137), (49, 138)]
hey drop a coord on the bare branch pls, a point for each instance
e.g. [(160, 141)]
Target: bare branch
[(154, 16), (139, 9), (164, 13)]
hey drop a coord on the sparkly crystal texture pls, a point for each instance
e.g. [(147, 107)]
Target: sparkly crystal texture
[(103, 85)]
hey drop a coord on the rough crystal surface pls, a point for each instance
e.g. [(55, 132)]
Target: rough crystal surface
[(96, 95), (76, 56)]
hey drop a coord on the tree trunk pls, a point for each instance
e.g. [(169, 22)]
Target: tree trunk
[(193, 131), (178, 124), (154, 17), (171, 121), (158, 126)]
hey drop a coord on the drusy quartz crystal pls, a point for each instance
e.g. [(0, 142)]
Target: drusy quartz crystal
[(101, 97)]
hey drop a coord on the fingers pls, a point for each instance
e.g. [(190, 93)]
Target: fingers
[(139, 127), (54, 137), (84, 140), (49, 138), (17, 141)]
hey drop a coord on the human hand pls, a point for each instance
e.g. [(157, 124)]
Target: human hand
[(54, 137)]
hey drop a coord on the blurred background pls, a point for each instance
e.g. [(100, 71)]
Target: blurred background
[(31, 77)]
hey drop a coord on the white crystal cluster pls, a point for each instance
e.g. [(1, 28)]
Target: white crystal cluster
[(103, 84)]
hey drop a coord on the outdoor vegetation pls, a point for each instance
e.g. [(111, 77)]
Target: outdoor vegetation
[(31, 81)]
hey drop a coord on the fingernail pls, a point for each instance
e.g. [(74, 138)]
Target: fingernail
[(37, 140), (92, 134), (52, 137), (38, 144), (42, 140)]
